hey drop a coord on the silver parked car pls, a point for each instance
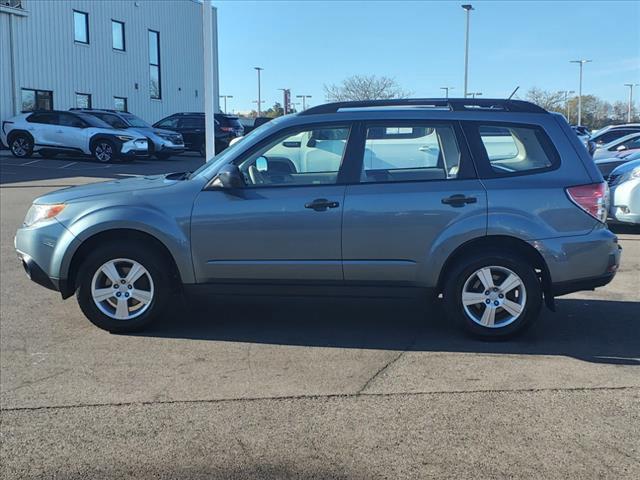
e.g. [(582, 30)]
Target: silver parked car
[(493, 204), (624, 182), (162, 143)]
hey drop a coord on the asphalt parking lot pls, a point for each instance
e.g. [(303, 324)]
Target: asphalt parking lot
[(349, 389)]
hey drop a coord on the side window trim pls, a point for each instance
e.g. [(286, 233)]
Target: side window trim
[(467, 170), (471, 130)]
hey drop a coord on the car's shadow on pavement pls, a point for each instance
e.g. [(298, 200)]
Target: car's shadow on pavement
[(590, 330)]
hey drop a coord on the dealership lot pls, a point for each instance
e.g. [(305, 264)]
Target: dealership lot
[(312, 389)]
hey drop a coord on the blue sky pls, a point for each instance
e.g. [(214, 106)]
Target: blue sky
[(304, 44)]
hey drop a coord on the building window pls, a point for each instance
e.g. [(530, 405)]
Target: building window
[(83, 100), (117, 34), (36, 100), (81, 27), (120, 104), (155, 82)]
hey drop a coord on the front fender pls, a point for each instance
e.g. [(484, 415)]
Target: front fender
[(172, 233)]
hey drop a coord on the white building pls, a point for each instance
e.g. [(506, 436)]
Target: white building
[(145, 56)]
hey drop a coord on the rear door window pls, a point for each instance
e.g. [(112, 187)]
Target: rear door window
[(516, 149), (192, 123), (404, 152)]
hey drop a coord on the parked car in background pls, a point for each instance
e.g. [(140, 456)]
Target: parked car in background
[(373, 198), (162, 143), (250, 124), (583, 133), (628, 142), (607, 165), (624, 184), (54, 132), (609, 134), (192, 128)]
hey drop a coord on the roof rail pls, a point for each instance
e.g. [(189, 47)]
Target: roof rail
[(454, 104)]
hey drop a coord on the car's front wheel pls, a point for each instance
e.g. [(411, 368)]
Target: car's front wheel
[(21, 145), (494, 294), (104, 151), (122, 288)]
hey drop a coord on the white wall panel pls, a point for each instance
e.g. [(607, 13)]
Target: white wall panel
[(48, 59)]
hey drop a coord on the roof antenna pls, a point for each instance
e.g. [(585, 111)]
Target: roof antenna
[(513, 93)]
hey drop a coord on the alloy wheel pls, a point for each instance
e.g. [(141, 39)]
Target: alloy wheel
[(104, 152), (20, 146), (494, 296), (122, 289)]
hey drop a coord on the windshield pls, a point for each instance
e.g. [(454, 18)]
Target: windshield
[(135, 121), (93, 121)]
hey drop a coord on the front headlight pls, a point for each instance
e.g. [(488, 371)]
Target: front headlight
[(39, 213), (631, 175), (124, 138)]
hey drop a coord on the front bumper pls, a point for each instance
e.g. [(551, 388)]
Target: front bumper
[(135, 148), (35, 272)]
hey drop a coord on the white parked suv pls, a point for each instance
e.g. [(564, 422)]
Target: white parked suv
[(52, 132)]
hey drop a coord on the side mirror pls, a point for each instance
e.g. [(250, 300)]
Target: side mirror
[(262, 164), (229, 176)]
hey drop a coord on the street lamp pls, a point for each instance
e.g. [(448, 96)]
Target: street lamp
[(468, 9), (446, 91), (259, 69), (304, 100), (224, 98), (581, 63), (566, 101), (630, 85), (286, 99)]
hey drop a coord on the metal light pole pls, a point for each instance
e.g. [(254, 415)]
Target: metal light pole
[(566, 101), (630, 85), (304, 100), (286, 99), (224, 98), (259, 69), (468, 9), (446, 91), (210, 77), (581, 63)]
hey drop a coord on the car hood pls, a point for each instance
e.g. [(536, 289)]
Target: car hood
[(112, 187), (626, 167)]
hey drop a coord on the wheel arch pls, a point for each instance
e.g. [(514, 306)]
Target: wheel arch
[(11, 135), (502, 243), (116, 235)]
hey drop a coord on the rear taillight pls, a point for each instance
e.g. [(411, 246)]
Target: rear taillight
[(592, 198), (226, 129)]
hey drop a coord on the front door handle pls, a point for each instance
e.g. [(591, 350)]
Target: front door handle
[(321, 204), (458, 200)]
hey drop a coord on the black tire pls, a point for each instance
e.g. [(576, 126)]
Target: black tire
[(47, 153), (150, 260), (163, 156), (21, 145), (464, 270), (104, 151)]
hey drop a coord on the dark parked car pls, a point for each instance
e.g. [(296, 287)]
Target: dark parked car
[(191, 126), (250, 124)]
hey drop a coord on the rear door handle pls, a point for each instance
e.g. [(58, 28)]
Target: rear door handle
[(458, 200), (321, 204)]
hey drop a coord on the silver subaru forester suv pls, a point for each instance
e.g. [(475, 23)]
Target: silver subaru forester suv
[(494, 205)]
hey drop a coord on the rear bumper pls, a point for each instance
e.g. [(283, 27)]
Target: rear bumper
[(581, 262)]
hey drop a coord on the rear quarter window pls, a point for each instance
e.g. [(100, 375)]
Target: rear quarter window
[(514, 149)]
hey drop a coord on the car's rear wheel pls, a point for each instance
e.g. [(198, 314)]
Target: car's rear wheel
[(493, 295), (21, 145), (122, 288), (104, 151)]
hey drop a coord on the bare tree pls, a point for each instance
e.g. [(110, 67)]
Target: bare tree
[(549, 100), (365, 87)]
